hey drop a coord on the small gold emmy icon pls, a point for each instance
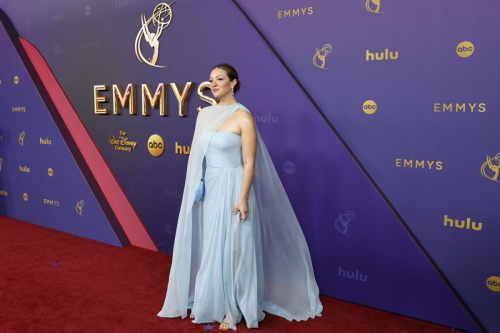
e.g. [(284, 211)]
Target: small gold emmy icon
[(321, 55), (79, 207), (21, 138), (376, 10), (162, 16), (493, 170)]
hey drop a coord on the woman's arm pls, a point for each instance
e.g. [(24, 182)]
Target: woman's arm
[(248, 151)]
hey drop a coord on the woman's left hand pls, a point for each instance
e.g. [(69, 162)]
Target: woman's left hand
[(242, 206)]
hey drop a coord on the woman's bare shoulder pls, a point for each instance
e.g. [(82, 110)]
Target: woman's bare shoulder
[(245, 118), (244, 114)]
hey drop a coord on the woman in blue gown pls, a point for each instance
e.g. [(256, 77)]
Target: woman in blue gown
[(239, 251)]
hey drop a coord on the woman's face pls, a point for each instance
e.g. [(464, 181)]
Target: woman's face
[(220, 83)]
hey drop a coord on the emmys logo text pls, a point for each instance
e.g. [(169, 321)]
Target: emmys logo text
[(460, 107), (89, 45), (149, 99), (125, 3), (51, 202), (416, 164), (295, 12)]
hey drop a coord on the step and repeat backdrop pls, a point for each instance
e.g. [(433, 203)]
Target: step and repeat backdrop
[(380, 116), (40, 182)]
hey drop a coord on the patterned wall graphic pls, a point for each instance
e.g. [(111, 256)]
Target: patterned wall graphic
[(414, 97), (410, 96), (40, 181)]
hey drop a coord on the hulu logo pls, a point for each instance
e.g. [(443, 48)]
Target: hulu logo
[(386, 55), (354, 275), (182, 149), (461, 224)]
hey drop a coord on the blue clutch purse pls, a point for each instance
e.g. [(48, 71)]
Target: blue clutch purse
[(200, 190)]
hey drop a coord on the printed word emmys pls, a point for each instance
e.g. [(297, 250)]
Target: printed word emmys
[(295, 12), (51, 202), (149, 100), (456, 107), (418, 164)]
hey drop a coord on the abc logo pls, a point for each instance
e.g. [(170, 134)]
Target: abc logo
[(156, 145), (16, 80), (369, 107), (493, 283), (465, 49), (25, 196), (50, 172), (289, 167)]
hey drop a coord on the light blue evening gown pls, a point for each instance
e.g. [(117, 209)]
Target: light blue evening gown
[(230, 281)]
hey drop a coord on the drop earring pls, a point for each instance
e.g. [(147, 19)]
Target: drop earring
[(232, 90)]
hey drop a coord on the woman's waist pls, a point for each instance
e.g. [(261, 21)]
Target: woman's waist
[(224, 165)]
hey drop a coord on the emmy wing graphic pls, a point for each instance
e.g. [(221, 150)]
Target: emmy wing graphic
[(493, 165), (321, 55), (377, 8), (161, 18)]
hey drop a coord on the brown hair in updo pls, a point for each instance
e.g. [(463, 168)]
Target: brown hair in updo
[(231, 73)]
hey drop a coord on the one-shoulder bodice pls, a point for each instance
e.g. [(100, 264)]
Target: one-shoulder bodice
[(224, 150)]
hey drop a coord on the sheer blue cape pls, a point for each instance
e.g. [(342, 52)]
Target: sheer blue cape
[(291, 290)]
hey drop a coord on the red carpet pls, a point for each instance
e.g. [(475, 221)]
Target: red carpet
[(51, 281)]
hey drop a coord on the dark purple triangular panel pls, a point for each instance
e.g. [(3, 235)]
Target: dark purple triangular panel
[(40, 180)]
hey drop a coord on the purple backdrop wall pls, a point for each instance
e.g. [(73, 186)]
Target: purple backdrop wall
[(413, 121), (40, 182), (361, 251)]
